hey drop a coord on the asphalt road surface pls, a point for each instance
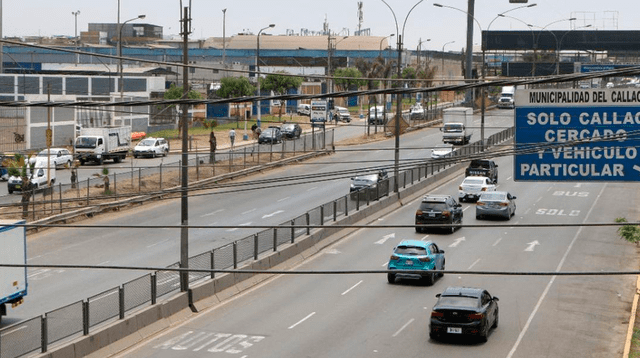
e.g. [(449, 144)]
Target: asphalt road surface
[(50, 289), (361, 315)]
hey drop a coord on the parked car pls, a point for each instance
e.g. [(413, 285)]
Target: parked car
[(369, 184), (341, 114), (151, 147), (441, 151), (39, 179), (304, 109), (377, 115), (60, 157), (291, 130), (472, 187), (416, 255), (416, 111), (464, 311), (270, 135), (438, 209), (496, 203)]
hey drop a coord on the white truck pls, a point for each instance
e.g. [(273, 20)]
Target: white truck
[(13, 280), (105, 143), (455, 125), (507, 96)]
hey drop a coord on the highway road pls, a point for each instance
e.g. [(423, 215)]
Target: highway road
[(53, 288), (361, 315)]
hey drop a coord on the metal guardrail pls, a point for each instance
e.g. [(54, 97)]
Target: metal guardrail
[(82, 317)]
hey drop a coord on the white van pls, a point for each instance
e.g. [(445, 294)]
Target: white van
[(39, 179), (304, 109)]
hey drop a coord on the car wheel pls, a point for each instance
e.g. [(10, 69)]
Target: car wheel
[(453, 228), (430, 278), (153, 154), (483, 336), (164, 154), (442, 268), (101, 161), (495, 322), (10, 191), (69, 164), (433, 335), (478, 217), (418, 229), (391, 278)]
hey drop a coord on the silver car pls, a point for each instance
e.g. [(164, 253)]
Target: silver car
[(496, 203), (60, 157)]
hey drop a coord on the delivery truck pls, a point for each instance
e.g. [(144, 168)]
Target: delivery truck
[(105, 143), (13, 280), (455, 125)]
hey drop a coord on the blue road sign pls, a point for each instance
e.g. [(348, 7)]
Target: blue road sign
[(577, 135)]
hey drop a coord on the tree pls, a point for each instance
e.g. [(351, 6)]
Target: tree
[(353, 78), (280, 85), (235, 87), (630, 233), (176, 93)]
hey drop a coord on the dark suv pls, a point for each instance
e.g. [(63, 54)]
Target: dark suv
[(438, 209), (373, 185)]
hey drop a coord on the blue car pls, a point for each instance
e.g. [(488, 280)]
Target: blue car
[(416, 255)]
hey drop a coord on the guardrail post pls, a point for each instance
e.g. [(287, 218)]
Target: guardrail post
[(85, 318), (88, 191), (293, 230), (335, 210), (121, 301), (358, 200), (346, 205), (160, 176), (180, 166), (235, 255), (275, 239), (244, 158), (154, 288), (60, 193), (271, 151), (115, 186), (139, 179), (213, 262), (197, 167), (367, 193), (255, 246), (308, 229), (283, 149), (378, 191), (44, 335), (322, 215)]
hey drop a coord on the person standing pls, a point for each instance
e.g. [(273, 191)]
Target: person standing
[(212, 145), (232, 136)]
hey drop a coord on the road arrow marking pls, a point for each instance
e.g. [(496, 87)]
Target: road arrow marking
[(457, 242), (212, 213), (532, 245), (385, 238), (272, 214)]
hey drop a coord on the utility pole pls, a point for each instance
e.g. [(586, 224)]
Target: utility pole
[(184, 197), (469, 62)]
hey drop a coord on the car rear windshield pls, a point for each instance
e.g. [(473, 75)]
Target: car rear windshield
[(458, 301), (473, 181), (411, 250), (493, 196), (480, 164), (433, 206)]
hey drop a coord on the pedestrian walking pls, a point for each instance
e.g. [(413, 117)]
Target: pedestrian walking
[(212, 146), (232, 136)]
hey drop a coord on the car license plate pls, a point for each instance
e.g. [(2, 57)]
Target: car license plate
[(456, 330), (409, 263), (18, 186), (432, 215)]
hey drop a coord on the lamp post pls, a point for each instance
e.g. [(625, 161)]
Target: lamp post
[(224, 38), (398, 96), (120, 53), (419, 49), (533, 38), (329, 69), (75, 14), (535, 45), (484, 42), (380, 53), (450, 42), (258, 68), (559, 45)]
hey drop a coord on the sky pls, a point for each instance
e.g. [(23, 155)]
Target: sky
[(435, 27)]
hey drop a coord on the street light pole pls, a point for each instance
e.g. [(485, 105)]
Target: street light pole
[(398, 96), (75, 14), (120, 53), (450, 42), (258, 69), (224, 38), (380, 53), (560, 46)]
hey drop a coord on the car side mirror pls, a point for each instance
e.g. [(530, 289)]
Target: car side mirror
[(438, 295), (458, 205), (496, 165), (442, 251), (513, 197), (495, 298)]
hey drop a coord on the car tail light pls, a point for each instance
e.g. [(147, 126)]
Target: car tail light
[(460, 187), (425, 259), (504, 204), (419, 212), (484, 189), (437, 314), (480, 203), (446, 213), (476, 316), (393, 257)]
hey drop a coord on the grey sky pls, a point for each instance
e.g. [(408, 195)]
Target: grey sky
[(441, 25)]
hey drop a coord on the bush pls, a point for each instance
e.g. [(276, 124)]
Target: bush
[(630, 233)]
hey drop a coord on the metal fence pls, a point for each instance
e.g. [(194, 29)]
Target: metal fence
[(82, 317)]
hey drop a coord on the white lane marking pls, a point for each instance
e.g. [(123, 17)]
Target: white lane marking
[(302, 320), (103, 263), (158, 243), (457, 242), (248, 211), (532, 245), (351, 288), (212, 213), (497, 241), (423, 238), (314, 188), (385, 263), (553, 278), (283, 199), (467, 207), (527, 211), (272, 214), (236, 228), (509, 178), (32, 258), (385, 238), (38, 272), (540, 198), (403, 327), (473, 264)]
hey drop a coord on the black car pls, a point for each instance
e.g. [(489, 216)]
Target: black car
[(270, 135), (438, 209), (291, 130), (464, 311), (373, 185)]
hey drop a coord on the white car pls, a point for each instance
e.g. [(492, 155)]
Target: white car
[(151, 147), (60, 157), (472, 187), (441, 151)]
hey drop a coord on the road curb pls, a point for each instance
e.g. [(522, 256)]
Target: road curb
[(632, 320)]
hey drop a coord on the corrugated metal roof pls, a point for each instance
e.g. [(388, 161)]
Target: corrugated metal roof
[(282, 42)]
